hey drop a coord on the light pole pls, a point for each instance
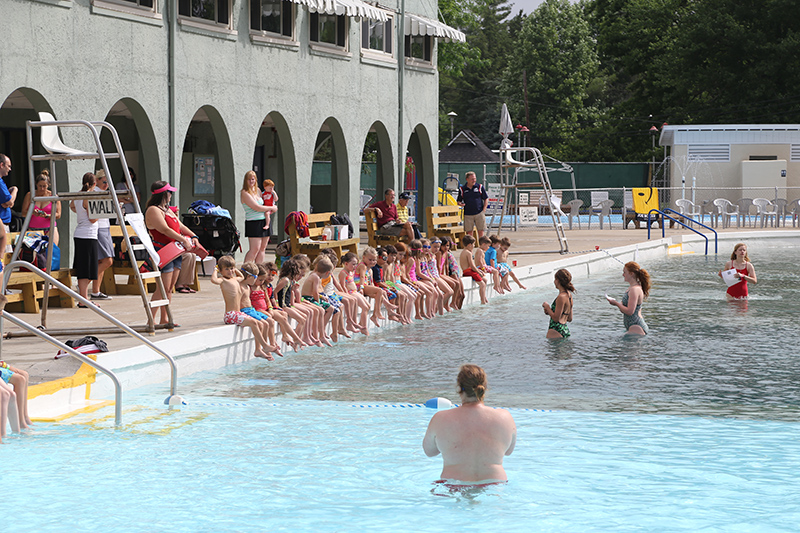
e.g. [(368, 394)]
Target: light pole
[(452, 115)]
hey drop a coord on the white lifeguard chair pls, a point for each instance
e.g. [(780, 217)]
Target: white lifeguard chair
[(57, 151), (526, 158)]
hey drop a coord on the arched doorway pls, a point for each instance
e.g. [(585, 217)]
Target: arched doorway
[(21, 105), (377, 163), (274, 158), (330, 170), (419, 172), (207, 163), (138, 144)]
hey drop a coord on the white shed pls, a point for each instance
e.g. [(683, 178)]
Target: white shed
[(734, 155)]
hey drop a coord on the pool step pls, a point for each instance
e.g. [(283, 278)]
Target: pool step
[(677, 249), (138, 419)]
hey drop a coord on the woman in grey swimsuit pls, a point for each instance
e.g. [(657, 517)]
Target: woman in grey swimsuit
[(631, 304)]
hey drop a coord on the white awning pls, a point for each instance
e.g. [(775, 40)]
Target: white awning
[(351, 8), (417, 25)]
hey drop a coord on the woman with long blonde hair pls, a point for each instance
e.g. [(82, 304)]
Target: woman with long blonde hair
[(255, 221)]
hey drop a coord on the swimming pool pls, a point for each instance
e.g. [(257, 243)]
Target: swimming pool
[(692, 427)]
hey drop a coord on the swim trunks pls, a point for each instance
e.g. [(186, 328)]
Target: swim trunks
[(468, 272), (235, 317), (5, 374)]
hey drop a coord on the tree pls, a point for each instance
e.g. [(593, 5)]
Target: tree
[(556, 51)]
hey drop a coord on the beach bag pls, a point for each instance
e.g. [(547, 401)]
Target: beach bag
[(343, 220), (34, 251), (284, 249)]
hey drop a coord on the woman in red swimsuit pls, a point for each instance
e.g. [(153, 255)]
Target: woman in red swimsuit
[(744, 271), (165, 227)]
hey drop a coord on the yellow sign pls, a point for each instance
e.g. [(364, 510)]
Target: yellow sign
[(645, 199)]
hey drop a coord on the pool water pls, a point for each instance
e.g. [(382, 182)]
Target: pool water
[(693, 427)]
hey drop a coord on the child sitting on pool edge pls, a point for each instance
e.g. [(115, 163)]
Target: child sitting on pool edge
[(228, 277)]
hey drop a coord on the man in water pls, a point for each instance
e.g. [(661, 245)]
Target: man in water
[(472, 438)]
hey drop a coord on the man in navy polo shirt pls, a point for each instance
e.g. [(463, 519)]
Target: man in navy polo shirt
[(474, 199), (7, 199)]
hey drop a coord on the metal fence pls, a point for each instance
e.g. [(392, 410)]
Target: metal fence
[(613, 208)]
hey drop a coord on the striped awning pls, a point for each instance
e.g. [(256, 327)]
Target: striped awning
[(351, 8), (418, 25)]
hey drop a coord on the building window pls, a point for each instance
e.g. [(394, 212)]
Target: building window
[(419, 47), (213, 11), (329, 29), (272, 16), (147, 4), (377, 35)]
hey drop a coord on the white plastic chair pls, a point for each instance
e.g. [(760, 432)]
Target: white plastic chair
[(727, 211), (574, 211), (744, 210), (793, 210), (602, 210), (51, 141), (450, 184), (688, 209), (780, 207), (766, 210)]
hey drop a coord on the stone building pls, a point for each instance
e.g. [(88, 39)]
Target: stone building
[(202, 91)]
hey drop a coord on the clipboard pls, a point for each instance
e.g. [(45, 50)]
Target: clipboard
[(729, 277)]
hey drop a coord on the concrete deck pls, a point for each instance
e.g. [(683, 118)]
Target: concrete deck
[(204, 310)]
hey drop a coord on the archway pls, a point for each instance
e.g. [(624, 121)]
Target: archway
[(330, 170), (138, 144), (377, 163), (207, 162), (274, 158), (420, 176), (21, 105)]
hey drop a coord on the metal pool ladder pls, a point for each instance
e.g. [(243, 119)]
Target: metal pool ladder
[(173, 387)]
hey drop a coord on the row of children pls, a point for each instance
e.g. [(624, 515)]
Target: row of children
[(13, 399), (408, 282)]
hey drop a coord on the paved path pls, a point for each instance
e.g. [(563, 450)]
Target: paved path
[(205, 309)]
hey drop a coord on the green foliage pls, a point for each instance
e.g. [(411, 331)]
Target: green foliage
[(556, 53), (602, 72)]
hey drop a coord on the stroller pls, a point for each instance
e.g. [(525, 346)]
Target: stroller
[(217, 234)]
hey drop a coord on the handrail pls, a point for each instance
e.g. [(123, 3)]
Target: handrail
[(127, 329), (712, 230), (89, 361), (716, 246)]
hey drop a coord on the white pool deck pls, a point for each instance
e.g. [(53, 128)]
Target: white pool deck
[(64, 387)]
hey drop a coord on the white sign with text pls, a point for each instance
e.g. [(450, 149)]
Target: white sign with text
[(101, 209)]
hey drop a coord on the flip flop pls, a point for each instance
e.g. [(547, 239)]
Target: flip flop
[(184, 290)]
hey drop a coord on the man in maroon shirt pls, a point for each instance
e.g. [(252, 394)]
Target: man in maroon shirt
[(386, 217)]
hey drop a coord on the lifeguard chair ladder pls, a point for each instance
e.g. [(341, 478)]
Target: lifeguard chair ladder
[(509, 184), (57, 151)]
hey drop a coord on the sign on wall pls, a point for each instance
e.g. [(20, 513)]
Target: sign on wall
[(203, 175)]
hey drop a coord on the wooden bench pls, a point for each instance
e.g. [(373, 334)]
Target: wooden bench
[(446, 221), (31, 287), (316, 223), (374, 239)]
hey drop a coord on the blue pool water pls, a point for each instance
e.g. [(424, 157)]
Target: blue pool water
[(691, 428)]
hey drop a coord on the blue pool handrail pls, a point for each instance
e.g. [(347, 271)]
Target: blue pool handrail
[(663, 234)]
